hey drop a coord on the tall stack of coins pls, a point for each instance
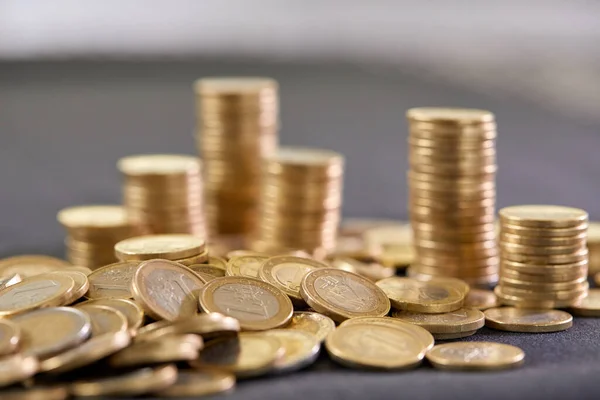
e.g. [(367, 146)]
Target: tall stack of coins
[(544, 259), (163, 193), (300, 202), (92, 232), (237, 128), (452, 193)]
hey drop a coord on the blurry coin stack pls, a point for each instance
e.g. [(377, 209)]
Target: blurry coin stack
[(593, 245), (452, 193), (182, 248), (92, 232), (544, 260), (300, 202), (237, 128), (163, 193)]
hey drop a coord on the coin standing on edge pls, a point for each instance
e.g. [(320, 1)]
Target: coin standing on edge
[(527, 320), (301, 349), (421, 296), (475, 356), (112, 281), (318, 324), (286, 273)]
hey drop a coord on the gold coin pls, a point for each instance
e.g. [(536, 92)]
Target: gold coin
[(372, 271), (10, 337), (9, 280), (104, 319), (166, 289), (520, 302), (541, 295), (81, 283), (341, 295), (30, 265), (463, 320), (197, 259), (481, 299), (16, 368), (132, 312), (134, 383), (577, 267), (441, 116), (70, 328), (247, 355), (58, 392), (388, 347), (192, 383), (243, 253), (527, 320), (475, 356), (452, 336), (167, 246), (424, 336), (90, 351), (459, 284), (112, 281), (207, 325), (218, 262), (172, 348), (543, 216), (257, 305), (157, 165), (509, 273), (428, 297), (301, 349), (573, 285), (571, 258), (588, 306), (94, 216), (575, 240), (207, 271), (542, 233), (84, 270), (312, 322), (286, 273), (246, 265)]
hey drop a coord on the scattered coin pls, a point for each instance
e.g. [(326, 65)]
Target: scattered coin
[(104, 319), (81, 283), (428, 297), (317, 324), (423, 335), (168, 247), (16, 368), (475, 356), (192, 383), (527, 320), (481, 299), (341, 295), (301, 349), (218, 262), (286, 273), (452, 336), (207, 325), (132, 312), (589, 306), (208, 272), (245, 265), (10, 337), (112, 281), (172, 348), (36, 292), (462, 320), (30, 265), (257, 305)]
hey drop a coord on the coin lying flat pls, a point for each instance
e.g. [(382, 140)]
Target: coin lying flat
[(10, 336), (245, 265), (30, 265), (257, 305), (459, 284), (132, 312), (81, 283), (312, 322), (428, 297), (166, 289), (527, 320), (463, 320), (341, 295), (248, 355), (454, 335), (207, 272), (36, 292), (70, 328), (543, 216), (589, 306), (172, 348), (168, 246), (481, 299), (16, 368), (286, 273), (207, 325), (104, 319), (112, 281), (218, 262), (134, 383), (192, 383), (377, 346), (301, 349), (421, 334), (475, 356)]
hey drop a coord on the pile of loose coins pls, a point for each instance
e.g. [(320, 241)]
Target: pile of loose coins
[(452, 193), (238, 122), (544, 259)]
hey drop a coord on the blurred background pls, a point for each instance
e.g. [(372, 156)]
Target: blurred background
[(85, 83)]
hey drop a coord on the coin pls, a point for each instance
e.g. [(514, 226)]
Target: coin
[(207, 271), (341, 295), (571, 240), (168, 246), (248, 355), (301, 349), (286, 273), (526, 250), (10, 337), (166, 289), (245, 265), (243, 253), (429, 297), (81, 283), (132, 312), (71, 327), (454, 335), (588, 306), (16, 368), (218, 262), (30, 265), (192, 383), (172, 348), (527, 320), (257, 305), (475, 356), (519, 302), (543, 216), (449, 116), (104, 319), (462, 320), (131, 383), (112, 281), (388, 347), (459, 284), (208, 325), (575, 257), (481, 299), (372, 271), (312, 322), (423, 335)]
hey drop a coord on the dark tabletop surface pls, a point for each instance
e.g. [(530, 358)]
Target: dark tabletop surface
[(64, 125)]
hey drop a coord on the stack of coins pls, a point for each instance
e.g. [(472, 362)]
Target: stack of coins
[(184, 249), (237, 127), (92, 232), (452, 193), (300, 202), (544, 259), (163, 193), (593, 245)]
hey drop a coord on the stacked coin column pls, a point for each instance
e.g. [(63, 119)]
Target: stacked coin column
[(452, 193), (163, 193), (544, 260), (300, 202), (237, 128)]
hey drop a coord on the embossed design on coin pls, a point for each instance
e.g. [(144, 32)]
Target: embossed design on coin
[(475, 356), (412, 295), (286, 272), (166, 289), (112, 281), (246, 266), (312, 322), (169, 246), (30, 265), (527, 320), (35, 292), (465, 319)]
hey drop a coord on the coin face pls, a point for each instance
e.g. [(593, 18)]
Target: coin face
[(543, 216), (168, 246), (93, 216), (166, 290), (158, 164), (10, 336), (257, 305), (112, 281), (69, 327), (36, 292), (247, 265), (192, 383), (589, 306), (104, 319), (481, 299), (286, 273), (464, 319), (475, 356), (312, 322), (132, 311), (301, 349), (341, 295), (30, 265), (429, 297), (374, 346), (527, 320)]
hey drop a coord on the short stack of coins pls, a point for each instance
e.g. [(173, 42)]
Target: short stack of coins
[(300, 202), (544, 259), (452, 193), (182, 248), (92, 232), (163, 193), (237, 127)]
